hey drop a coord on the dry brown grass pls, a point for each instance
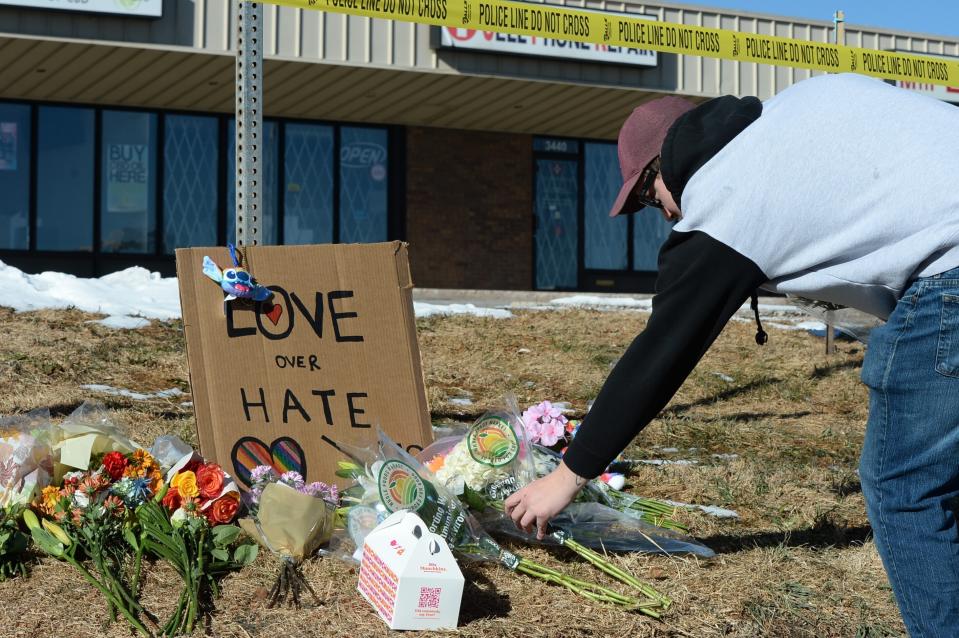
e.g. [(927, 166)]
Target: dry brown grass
[(799, 561)]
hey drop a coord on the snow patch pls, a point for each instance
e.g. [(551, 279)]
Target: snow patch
[(136, 396), (423, 309), (123, 322), (134, 291), (712, 510), (595, 300)]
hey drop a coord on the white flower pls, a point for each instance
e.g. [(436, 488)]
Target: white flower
[(461, 468), (80, 499), (178, 517), (457, 485)]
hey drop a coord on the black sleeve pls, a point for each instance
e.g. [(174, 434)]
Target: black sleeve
[(701, 284)]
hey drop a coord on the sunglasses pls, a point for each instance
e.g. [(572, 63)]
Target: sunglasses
[(646, 181)]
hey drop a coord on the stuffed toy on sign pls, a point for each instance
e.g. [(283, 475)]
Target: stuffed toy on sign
[(236, 282)]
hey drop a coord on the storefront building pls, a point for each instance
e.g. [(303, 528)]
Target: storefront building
[(493, 155)]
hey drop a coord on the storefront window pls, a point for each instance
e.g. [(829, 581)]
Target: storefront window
[(269, 163), (308, 202), (605, 238), (15, 176), (190, 162), (65, 167), (363, 185), (128, 182), (650, 230)]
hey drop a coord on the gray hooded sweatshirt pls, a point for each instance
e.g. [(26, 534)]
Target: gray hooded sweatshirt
[(844, 190), (841, 189)]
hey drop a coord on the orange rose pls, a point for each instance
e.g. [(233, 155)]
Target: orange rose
[(223, 510), (172, 499), (209, 479)]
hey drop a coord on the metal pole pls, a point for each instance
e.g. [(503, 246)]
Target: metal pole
[(839, 19), (249, 121), (830, 332)]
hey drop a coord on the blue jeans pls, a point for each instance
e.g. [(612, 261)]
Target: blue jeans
[(910, 459)]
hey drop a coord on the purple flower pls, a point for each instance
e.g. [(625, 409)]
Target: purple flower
[(318, 489), (293, 479), (262, 473)]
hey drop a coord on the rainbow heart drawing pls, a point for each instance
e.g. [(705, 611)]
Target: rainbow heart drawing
[(283, 454)]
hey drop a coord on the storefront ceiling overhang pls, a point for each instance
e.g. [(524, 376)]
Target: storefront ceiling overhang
[(73, 71)]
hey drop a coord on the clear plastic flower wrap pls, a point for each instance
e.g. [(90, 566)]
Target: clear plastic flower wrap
[(388, 479), (597, 519), (26, 462), (26, 465)]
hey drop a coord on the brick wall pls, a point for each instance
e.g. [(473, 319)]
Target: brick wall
[(469, 203)]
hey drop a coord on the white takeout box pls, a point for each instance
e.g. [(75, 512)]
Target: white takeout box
[(409, 575)]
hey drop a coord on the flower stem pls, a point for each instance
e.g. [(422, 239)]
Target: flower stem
[(590, 591), (137, 565), (619, 574), (111, 597), (195, 582)]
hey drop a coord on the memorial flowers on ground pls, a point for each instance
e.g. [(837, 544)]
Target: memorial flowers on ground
[(26, 465), (291, 518), (87, 519), (187, 524), (388, 479)]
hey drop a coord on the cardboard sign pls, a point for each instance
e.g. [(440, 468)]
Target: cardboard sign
[(329, 358), (409, 575)]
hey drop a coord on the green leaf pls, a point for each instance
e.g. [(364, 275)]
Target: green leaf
[(47, 542), (246, 554), (474, 500), (220, 554), (131, 538), (224, 535)]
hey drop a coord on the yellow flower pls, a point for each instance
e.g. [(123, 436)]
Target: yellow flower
[(185, 483), (49, 497)]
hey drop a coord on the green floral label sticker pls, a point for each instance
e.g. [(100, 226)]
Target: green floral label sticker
[(401, 488), (492, 441)]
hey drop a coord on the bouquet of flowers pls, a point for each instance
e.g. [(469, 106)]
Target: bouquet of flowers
[(25, 468), (291, 518), (546, 426), (188, 525), (600, 518), (88, 517), (388, 479), (85, 436)]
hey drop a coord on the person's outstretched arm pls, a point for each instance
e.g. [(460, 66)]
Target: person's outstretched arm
[(701, 284)]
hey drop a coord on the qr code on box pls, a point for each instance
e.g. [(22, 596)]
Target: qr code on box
[(430, 597)]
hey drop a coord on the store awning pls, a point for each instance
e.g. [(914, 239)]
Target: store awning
[(182, 78)]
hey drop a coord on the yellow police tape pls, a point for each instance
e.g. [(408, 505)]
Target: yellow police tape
[(614, 29)]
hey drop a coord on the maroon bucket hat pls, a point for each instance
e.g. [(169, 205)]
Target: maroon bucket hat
[(640, 140)]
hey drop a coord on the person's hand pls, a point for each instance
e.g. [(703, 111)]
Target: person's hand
[(543, 499)]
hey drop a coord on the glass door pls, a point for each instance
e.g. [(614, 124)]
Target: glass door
[(557, 223)]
